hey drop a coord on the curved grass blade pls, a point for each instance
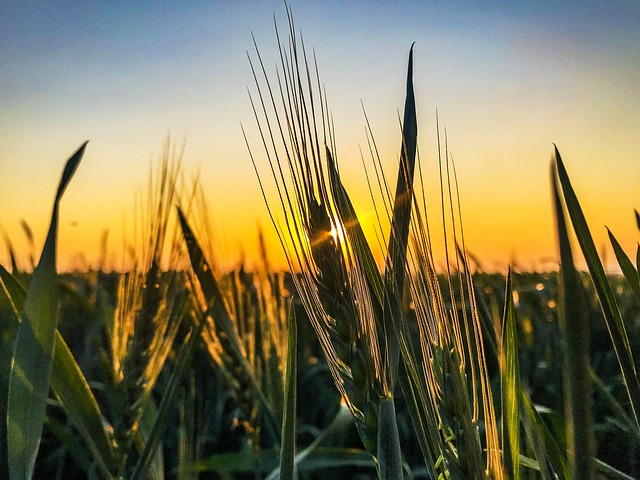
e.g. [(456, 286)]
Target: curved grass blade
[(617, 409), (628, 270), (70, 386), (288, 445), (574, 325), (30, 377), (611, 472), (612, 316), (15, 294)]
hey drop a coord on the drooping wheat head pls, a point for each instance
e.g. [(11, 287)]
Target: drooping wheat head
[(329, 273)]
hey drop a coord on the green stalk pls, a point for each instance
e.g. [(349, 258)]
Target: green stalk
[(510, 388), (288, 445), (389, 455)]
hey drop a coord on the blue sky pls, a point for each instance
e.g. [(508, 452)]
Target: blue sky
[(508, 80)]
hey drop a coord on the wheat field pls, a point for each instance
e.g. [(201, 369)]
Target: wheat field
[(366, 358)]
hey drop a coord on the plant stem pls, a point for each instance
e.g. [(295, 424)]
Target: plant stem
[(389, 456)]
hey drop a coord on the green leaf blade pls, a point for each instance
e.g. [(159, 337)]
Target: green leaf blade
[(78, 401), (628, 270), (510, 384), (613, 318), (30, 376), (575, 332), (395, 267)]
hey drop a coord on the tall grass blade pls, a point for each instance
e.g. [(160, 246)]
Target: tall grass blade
[(162, 418), (30, 377), (70, 387), (628, 270), (510, 379), (610, 309), (155, 470), (396, 263), (574, 325), (288, 444), (15, 294)]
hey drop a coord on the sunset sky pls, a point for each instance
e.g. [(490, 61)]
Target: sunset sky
[(509, 79)]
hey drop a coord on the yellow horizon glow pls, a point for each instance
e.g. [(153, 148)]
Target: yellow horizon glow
[(507, 86)]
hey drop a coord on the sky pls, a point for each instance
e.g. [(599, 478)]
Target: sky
[(508, 80)]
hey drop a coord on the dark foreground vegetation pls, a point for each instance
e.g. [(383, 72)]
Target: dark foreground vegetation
[(214, 426)]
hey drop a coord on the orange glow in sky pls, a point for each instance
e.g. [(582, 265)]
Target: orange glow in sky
[(508, 81)]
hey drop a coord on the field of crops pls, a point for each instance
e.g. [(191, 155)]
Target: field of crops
[(344, 366)]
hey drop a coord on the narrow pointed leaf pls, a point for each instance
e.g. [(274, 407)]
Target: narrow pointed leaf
[(617, 409), (398, 239), (70, 386), (610, 472), (12, 256), (249, 461), (628, 270), (30, 377), (612, 316), (574, 325)]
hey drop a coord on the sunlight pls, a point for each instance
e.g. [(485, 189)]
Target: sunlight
[(334, 233)]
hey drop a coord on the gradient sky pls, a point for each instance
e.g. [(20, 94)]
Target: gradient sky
[(509, 79)]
